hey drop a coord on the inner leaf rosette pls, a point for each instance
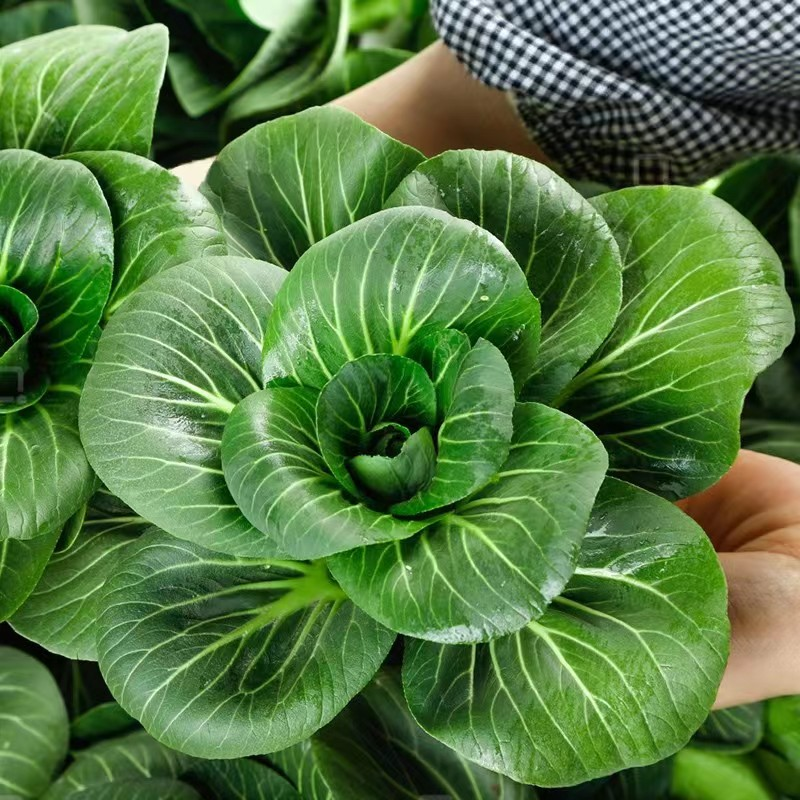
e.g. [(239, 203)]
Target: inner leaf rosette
[(389, 437), (56, 262)]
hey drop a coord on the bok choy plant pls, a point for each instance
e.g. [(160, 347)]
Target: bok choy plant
[(449, 399), (84, 218)]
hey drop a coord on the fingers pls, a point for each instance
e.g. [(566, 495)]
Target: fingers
[(756, 506), (764, 608)]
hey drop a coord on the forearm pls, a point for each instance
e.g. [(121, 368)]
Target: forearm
[(431, 103)]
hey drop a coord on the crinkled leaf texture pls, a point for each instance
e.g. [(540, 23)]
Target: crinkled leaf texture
[(560, 702), (96, 88), (172, 364), (34, 730), (222, 657), (374, 748)]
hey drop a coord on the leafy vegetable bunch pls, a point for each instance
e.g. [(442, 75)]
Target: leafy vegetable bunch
[(238, 62), (409, 432), (767, 191), (84, 218), (374, 748), (353, 393)]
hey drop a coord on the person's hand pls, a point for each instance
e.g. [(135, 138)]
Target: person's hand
[(752, 516)]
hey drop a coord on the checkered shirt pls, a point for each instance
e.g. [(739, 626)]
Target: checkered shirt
[(639, 91)]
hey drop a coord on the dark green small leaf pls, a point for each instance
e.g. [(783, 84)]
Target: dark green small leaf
[(33, 18), (96, 89), (363, 395), (34, 730), (473, 440), (732, 730), (223, 657), (289, 183), (559, 703), (240, 779), (101, 722), (276, 474)]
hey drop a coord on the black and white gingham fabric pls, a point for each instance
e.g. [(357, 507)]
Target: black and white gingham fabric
[(639, 91)]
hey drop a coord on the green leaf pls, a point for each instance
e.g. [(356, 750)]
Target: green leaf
[(782, 733), (780, 439), (53, 479), (96, 89), (706, 775), (374, 748), (781, 774), (158, 220), (224, 657), (558, 702), (131, 758), (21, 565), (364, 396), (704, 311), (732, 730), (33, 18), (421, 269), (299, 764), (276, 474), (563, 245), (284, 90), (101, 722), (494, 562), (473, 440), (57, 248), (761, 189), (284, 185), (241, 779), (117, 13), (356, 69), (171, 365), (201, 88), (34, 730), (61, 613)]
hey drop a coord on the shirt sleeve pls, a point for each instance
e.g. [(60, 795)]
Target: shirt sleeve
[(639, 91)]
